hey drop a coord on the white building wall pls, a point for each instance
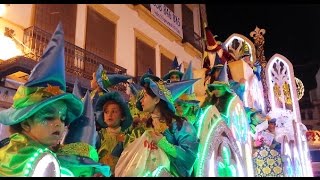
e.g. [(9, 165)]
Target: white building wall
[(19, 17)]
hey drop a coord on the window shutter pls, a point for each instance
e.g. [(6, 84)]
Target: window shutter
[(100, 35), (165, 65), (47, 17), (145, 58)]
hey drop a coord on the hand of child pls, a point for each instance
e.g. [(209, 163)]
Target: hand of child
[(97, 175), (120, 137), (155, 136)]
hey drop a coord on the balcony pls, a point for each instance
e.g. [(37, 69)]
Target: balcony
[(80, 63)]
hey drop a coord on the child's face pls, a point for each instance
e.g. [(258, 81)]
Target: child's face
[(174, 78), (148, 103), (112, 115), (182, 108), (219, 91), (47, 125), (93, 82)]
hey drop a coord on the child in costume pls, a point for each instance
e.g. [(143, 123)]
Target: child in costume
[(187, 104), (101, 82), (139, 117), (172, 133), (41, 109), (220, 92), (267, 160), (77, 155), (175, 73), (115, 119)]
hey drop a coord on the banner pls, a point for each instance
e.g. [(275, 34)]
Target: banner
[(167, 17)]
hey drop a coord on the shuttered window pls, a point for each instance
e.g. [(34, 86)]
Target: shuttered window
[(187, 23), (100, 35), (145, 58), (47, 17), (165, 65)]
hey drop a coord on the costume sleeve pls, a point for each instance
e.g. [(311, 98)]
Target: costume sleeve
[(182, 148)]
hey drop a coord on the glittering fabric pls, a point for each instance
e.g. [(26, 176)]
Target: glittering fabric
[(15, 156), (186, 144), (111, 147), (267, 163)]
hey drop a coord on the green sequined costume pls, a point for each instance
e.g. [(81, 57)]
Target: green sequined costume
[(17, 154)]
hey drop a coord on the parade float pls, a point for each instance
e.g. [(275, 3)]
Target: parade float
[(226, 143)]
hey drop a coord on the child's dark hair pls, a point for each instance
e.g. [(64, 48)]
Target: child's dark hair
[(113, 102), (165, 112)]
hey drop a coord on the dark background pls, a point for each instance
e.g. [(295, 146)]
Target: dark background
[(292, 30)]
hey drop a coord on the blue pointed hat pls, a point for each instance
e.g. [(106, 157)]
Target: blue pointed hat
[(46, 84), (79, 147), (106, 80), (217, 65), (84, 128), (188, 97), (135, 88), (169, 92), (77, 89), (115, 96), (148, 74), (175, 69), (222, 80)]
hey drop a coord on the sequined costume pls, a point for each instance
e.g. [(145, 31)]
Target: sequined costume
[(17, 154), (267, 161), (181, 146), (111, 146)]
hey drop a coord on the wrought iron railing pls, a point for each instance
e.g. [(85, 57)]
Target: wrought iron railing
[(79, 61)]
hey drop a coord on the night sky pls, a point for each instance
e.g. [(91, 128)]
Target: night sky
[(292, 30)]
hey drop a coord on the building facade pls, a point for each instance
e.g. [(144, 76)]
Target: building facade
[(124, 38), (310, 111)]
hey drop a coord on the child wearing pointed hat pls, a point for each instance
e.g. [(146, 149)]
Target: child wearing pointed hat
[(148, 74), (220, 92), (78, 155), (41, 108), (172, 133), (187, 104), (139, 117), (113, 115), (175, 73), (265, 155), (215, 47)]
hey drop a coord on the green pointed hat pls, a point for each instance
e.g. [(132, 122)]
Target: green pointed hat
[(222, 80), (46, 84)]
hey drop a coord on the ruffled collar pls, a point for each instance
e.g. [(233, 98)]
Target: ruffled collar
[(114, 131)]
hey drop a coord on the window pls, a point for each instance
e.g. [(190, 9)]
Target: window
[(145, 58), (100, 35), (166, 64), (47, 17), (187, 23)]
